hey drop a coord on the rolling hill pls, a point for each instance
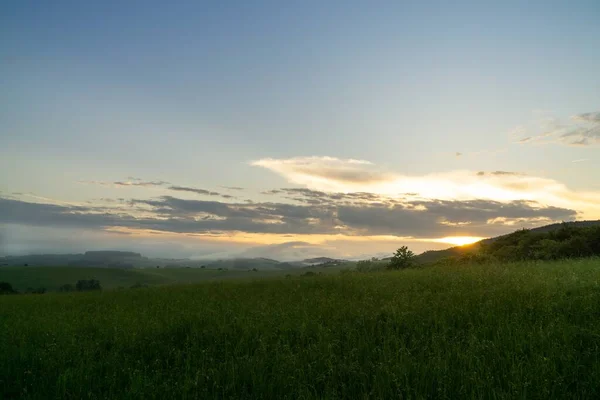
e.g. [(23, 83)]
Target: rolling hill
[(435, 255)]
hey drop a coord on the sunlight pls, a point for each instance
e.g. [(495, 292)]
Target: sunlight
[(460, 240)]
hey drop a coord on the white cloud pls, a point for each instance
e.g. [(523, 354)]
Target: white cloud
[(338, 175), (326, 171)]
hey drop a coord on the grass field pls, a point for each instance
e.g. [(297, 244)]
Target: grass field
[(497, 331), (52, 278)]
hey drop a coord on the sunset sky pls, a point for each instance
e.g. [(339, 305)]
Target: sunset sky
[(294, 129)]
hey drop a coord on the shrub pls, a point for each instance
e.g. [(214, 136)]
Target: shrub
[(368, 265), (6, 288), (88, 284), (138, 285), (67, 287)]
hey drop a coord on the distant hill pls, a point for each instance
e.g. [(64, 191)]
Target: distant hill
[(317, 261), (111, 254), (129, 260), (89, 259), (244, 264), (435, 255)]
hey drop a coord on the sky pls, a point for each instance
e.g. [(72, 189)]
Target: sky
[(294, 129)]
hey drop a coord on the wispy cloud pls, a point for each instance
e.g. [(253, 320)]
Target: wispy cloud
[(579, 130), (233, 187), (198, 191), (303, 170), (193, 190), (140, 183), (130, 182)]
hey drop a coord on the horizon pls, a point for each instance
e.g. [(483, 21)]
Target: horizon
[(298, 131)]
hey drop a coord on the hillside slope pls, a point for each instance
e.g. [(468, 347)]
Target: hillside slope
[(436, 255)]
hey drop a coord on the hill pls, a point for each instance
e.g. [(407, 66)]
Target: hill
[(244, 264), (129, 260), (432, 256)]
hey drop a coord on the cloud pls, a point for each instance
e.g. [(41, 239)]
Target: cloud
[(233, 187), (451, 185), (303, 170), (130, 182), (458, 185), (140, 183), (193, 190), (419, 219), (203, 192), (498, 173), (580, 130)]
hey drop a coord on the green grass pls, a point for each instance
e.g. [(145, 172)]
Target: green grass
[(52, 278), (498, 331)]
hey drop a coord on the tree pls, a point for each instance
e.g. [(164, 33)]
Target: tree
[(404, 258), (6, 288)]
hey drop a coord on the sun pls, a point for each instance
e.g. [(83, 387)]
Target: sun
[(460, 240)]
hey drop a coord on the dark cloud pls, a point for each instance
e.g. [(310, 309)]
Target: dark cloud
[(233, 187), (194, 190), (499, 173), (203, 192), (140, 183), (423, 218), (129, 182)]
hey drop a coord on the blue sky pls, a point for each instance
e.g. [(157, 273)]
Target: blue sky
[(267, 95)]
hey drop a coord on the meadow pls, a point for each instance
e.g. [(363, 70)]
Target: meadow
[(499, 331), (52, 278)]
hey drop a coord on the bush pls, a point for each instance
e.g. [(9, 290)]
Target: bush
[(369, 265), (6, 288), (67, 287), (138, 285), (88, 284)]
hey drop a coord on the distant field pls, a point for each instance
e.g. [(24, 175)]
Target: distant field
[(528, 330), (52, 278)]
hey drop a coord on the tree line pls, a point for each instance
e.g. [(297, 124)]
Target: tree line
[(82, 285)]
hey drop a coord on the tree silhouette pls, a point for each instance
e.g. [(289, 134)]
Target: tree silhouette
[(404, 258)]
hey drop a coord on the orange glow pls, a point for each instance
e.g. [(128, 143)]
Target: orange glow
[(316, 239), (459, 240)]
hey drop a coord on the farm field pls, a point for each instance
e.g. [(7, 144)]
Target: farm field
[(502, 331)]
